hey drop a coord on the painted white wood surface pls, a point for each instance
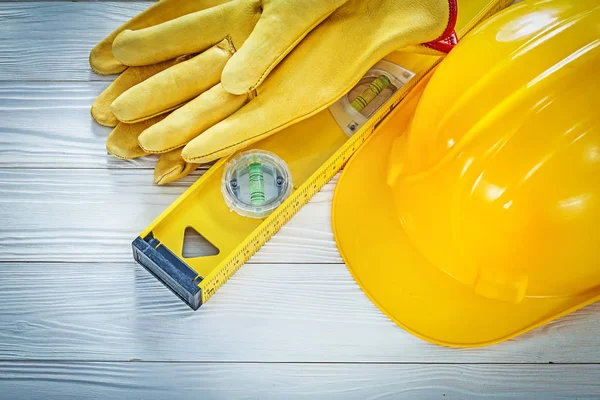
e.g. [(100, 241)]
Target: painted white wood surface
[(296, 381), (75, 310), (265, 313), (93, 215), (41, 41), (48, 125)]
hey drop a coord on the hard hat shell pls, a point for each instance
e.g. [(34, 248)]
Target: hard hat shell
[(484, 220), (498, 181)]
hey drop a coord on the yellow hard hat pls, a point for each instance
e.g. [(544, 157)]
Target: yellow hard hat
[(484, 220)]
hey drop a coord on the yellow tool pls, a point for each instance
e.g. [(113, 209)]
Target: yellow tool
[(482, 223), (314, 151)]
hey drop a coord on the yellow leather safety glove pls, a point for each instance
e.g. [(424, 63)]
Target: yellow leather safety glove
[(102, 59), (122, 142), (323, 68), (104, 62), (320, 70), (263, 31)]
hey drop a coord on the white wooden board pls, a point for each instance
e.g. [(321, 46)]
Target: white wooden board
[(116, 381), (48, 125), (67, 215), (41, 41), (265, 313), (77, 314)]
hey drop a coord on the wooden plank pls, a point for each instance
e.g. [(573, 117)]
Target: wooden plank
[(43, 41), (295, 381), (94, 215), (265, 313), (48, 125)]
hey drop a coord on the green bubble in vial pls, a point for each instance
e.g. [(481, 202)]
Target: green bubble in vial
[(367, 96), (257, 184)]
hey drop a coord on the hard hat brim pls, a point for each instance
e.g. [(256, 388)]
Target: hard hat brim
[(415, 294)]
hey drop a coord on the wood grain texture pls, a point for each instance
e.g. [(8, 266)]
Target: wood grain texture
[(291, 324), (41, 41), (48, 125), (147, 381), (265, 313), (94, 215)]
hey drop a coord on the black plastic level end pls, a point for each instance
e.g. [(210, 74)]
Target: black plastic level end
[(169, 269)]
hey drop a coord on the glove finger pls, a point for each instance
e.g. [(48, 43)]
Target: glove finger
[(122, 142), (171, 167), (226, 137), (189, 121), (101, 110), (272, 111), (168, 89), (188, 34), (282, 25), (102, 59)]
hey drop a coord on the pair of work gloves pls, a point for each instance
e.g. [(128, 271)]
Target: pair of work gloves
[(201, 79)]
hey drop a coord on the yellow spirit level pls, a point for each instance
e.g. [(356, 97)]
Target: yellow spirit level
[(314, 150)]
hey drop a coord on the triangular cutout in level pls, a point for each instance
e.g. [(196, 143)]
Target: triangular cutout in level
[(196, 245)]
